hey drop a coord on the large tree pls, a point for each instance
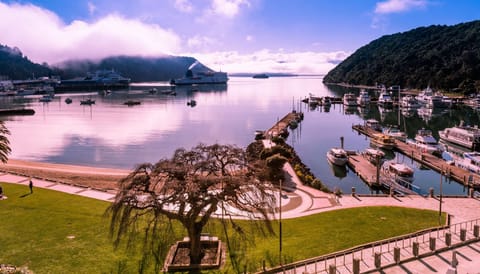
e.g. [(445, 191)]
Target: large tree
[(4, 143), (190, 187)]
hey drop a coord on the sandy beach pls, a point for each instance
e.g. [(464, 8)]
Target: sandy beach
[(94, 177)]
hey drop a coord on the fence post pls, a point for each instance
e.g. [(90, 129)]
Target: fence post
[(432, 243), (332, 269), (454, 259), (378, 259), (396, 254), (415, 249), (463, 234), (356, 266), (475, 231), (431, 192), (448, 238)]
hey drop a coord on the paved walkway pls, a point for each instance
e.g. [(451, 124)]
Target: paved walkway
[(299, 200)]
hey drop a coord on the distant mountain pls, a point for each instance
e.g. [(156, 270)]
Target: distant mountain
[(444, 57), (138, 69), (15, 66)]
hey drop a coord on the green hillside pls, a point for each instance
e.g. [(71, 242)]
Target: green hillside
[(15, 66), (444, 57)]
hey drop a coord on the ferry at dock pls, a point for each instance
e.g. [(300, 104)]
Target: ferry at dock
[(465, 136), (197, 74)]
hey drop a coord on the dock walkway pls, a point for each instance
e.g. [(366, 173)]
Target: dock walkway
[(458, 174), (281, 126)]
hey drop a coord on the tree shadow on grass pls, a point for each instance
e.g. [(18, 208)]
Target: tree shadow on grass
[(25, 195)]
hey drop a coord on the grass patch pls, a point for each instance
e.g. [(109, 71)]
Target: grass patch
[(36, 232)]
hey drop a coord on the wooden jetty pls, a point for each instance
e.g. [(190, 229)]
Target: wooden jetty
[(281, 126), (19, 111), (372, 176), (458, 174)]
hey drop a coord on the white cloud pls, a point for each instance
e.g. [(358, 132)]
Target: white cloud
[(249, 38), (199, 42), (228, 8), (394, 6), (184, 6), (44, 37), (269, 61), (91, 8)]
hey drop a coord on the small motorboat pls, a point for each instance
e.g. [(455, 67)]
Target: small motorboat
[(374, 156), (192, 103), (87, 102), (337, 156), (132, 103), (400, 171), (68, 101)]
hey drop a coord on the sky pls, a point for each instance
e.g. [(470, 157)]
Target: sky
[(290, 36)]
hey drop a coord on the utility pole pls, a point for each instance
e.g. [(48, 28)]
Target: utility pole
[(280, 223)]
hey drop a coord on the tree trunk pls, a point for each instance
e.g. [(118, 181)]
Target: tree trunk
[(194, 233)]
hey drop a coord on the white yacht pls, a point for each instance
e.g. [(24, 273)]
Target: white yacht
[(399, 171), (363, 98), (384, 99), (374, 155), (425, 141), (200, 74), (396, 133), (465, 136), (470, 162), (424, 95), (373, 124), (409, 102), (349, 100), (337, 156)]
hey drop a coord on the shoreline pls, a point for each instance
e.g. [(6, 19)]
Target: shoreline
[(93, 177)]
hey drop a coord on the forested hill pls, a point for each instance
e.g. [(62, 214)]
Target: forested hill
[(138, 69), (15, 66), (444, 57)]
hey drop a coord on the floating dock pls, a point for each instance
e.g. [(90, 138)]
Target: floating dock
[(281, 127), (20, 111), (458, 174)]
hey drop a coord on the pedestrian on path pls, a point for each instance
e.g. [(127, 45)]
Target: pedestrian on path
[(30, 185)]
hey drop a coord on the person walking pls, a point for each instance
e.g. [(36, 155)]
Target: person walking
[(30, 185)]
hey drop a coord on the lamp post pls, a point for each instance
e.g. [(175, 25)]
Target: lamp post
[(280, 223), (441, 194)]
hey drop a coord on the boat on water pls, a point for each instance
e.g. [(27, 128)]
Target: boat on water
[(261, 76), (374, 156), (373, 124), (131, 103), (381, 140), (191, 103), (425, 141), (399, 171), (68, 101), (384, 99), (363, 98), (396, 133), (470, 162), (46, 98), (87, 102), (424, 95), (409, 102), (465, 136), (337, 156), (99, 80), (198, 73), (349, 100)]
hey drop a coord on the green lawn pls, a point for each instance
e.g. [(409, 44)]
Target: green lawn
[(36, 230)]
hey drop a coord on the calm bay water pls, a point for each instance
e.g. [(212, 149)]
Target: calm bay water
[(111, 134)]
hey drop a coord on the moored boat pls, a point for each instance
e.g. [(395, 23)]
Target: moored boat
[(400, 171), (374, 156), (381, 140), (396, 133), (409, 102), (349, 100), (87, 102), (425, 141), (197, 73), (337, 156), (470, 162), (363, 98), (373, 124), (384, 99), (466, 136)]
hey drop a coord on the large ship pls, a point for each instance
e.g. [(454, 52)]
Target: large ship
[(100, 80), (466, 136), (200, 74)]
